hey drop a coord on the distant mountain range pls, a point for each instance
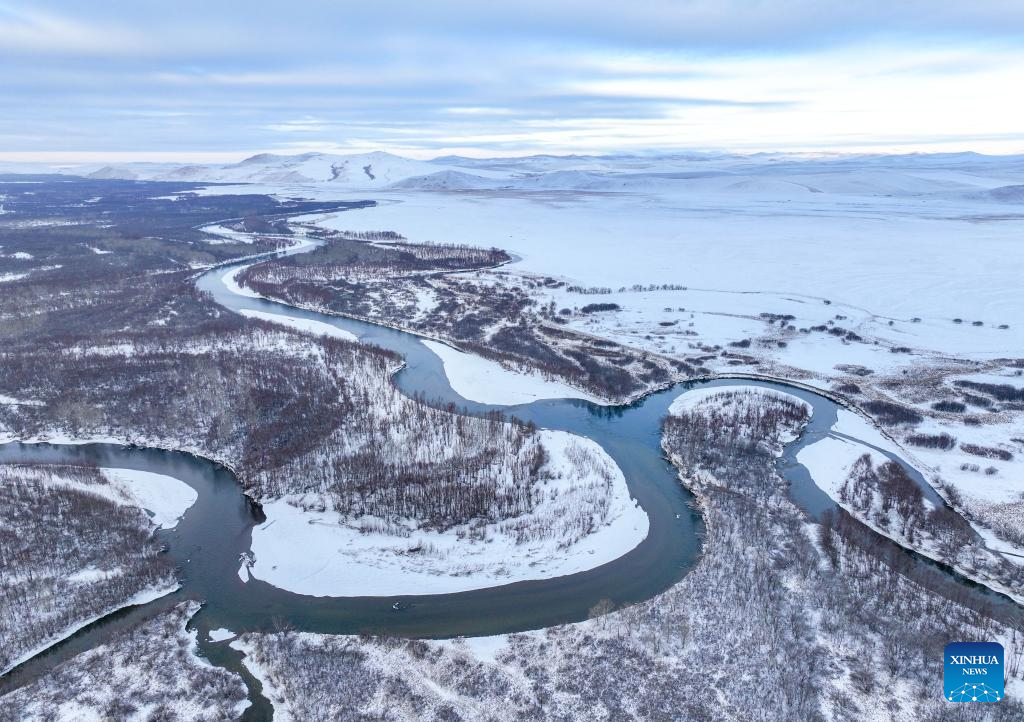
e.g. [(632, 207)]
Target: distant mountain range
[(990, 178), (363, 170)]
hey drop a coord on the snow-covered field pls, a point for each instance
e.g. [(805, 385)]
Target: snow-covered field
[(897, 257), (322, 554), (912, 238)]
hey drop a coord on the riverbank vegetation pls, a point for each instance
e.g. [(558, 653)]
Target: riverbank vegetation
[(152, 672), (136, 354), (783, 619), (69, 553), (412, 286), (882, 494)]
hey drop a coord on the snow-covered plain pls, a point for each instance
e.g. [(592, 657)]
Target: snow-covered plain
[(812, 245), (916, 256), (488, 382), (322, 555)]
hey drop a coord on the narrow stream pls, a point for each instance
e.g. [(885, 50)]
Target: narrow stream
[(208, 540)]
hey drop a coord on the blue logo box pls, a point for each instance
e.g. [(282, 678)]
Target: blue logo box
[(973, 672)]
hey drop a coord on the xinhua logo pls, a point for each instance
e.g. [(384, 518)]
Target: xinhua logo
[(973, 672)]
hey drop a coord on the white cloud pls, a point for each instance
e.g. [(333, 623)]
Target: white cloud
[(300, 125), (503, 77), (38, 32)]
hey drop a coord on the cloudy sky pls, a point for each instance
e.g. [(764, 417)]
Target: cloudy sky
[(220, 79)]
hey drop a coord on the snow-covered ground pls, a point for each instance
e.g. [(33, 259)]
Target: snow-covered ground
[(694, 652), (165, 498), (790, 253), (488, 382), (301, 324), (11, 401), (836, 462), (153, 671), (829, 460), (820, 269), (62, 572), (905, 264), (807, 268), (715, 396), (144, 597), (320, 554), (916, 238)]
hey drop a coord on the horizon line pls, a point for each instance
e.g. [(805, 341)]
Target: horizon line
[(71, 158)]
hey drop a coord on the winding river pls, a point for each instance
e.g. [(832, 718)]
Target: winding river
[(208, 540)]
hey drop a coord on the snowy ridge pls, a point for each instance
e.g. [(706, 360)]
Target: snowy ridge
[(361, 170)]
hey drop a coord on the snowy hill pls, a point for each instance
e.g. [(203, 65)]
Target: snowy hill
[(992, 179), (1006, 194), (362, 170), (445, 180)]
